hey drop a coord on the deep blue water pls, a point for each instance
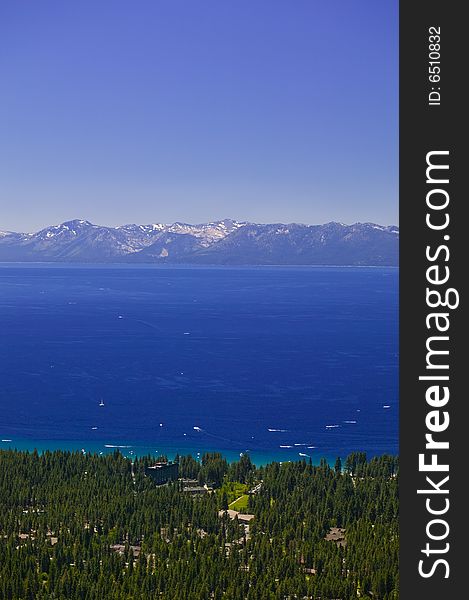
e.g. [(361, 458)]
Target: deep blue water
[(310, 352)]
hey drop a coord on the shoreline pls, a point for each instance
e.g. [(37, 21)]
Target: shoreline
[(187, 266), (135, 449)]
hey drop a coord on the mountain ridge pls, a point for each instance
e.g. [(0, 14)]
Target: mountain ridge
[(224, 242)]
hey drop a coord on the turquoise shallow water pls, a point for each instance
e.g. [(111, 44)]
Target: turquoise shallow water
[(274, 361), (143, 449)]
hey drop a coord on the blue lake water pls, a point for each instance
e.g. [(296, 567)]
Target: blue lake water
[(280, 362)]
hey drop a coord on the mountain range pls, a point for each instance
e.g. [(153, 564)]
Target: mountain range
[(225, 242)]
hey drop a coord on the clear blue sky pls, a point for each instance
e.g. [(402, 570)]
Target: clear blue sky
[(193, 110)]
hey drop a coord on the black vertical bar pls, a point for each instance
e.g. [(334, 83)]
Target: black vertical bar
[(432, 122)]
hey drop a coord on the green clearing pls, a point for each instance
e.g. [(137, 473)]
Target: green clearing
[(233, 490), (240, 504)]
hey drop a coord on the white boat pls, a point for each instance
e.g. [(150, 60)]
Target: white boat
[(101, 403)]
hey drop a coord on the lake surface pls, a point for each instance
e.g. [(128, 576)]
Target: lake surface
[(280, 362)]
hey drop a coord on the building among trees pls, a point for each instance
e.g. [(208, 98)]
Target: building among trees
[(163, 472)]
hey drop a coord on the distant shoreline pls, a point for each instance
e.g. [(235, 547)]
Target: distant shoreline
[(130, 266), (133, 449)]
